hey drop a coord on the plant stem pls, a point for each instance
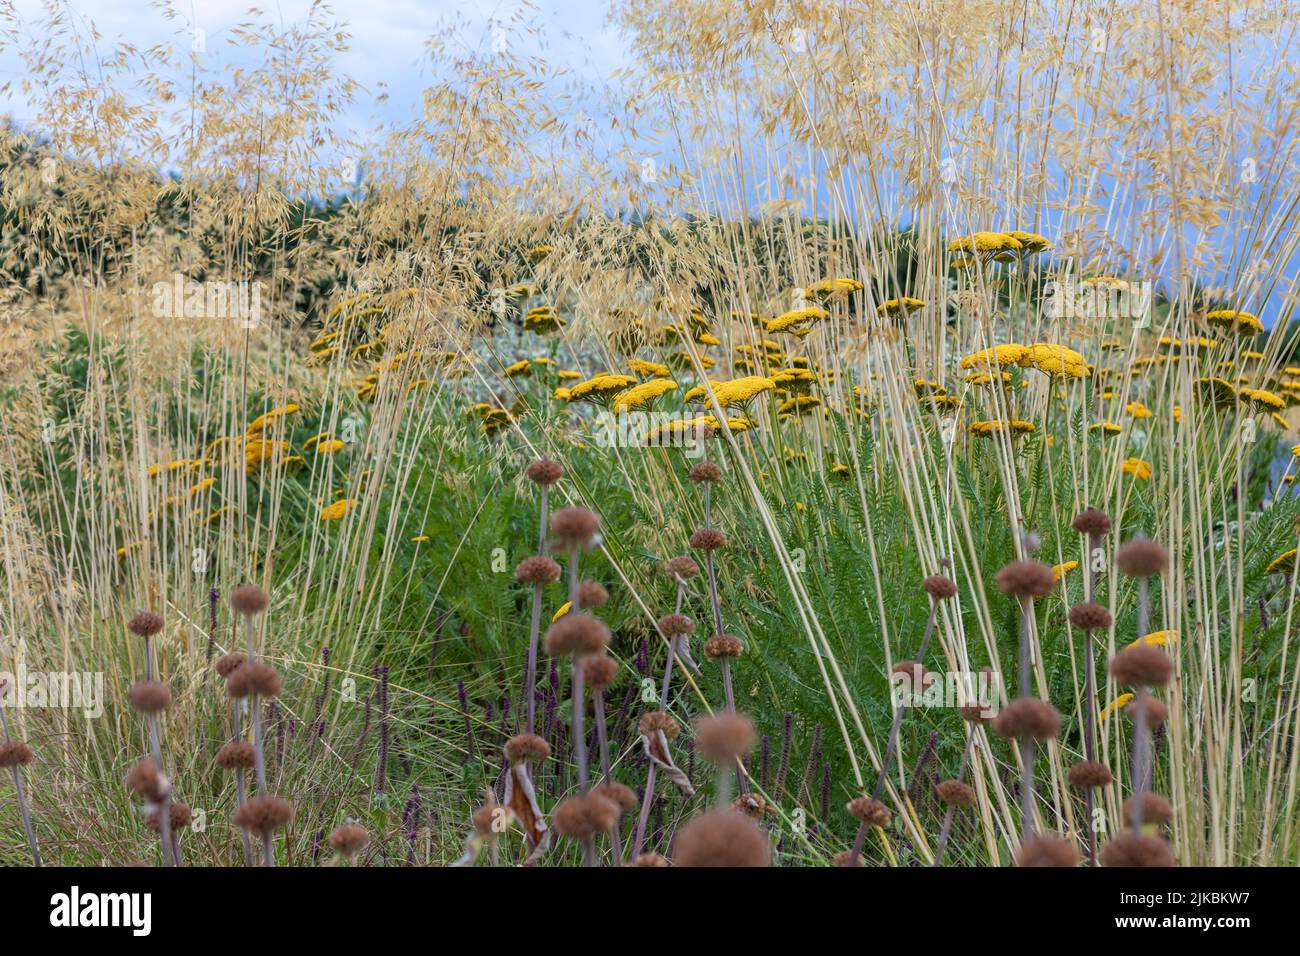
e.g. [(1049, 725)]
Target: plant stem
[(23, 810)]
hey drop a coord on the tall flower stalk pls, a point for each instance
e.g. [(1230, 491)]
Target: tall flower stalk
[(151, 697), (15, 754)]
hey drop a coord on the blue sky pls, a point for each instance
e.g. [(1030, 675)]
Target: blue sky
[(387, 38)]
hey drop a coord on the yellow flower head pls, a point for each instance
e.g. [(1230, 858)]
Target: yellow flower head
[(1156, 639), (1137, 410), (1283, 564), (644, 368), (900, 306), (262, 422), (999, 356), (831, 289), (521, 369), (1055, 360), (599, 389), (1015, 427), (1236, 321), (643, 395), (1139, 469), (1115, 706), (1108, 429), (336, 510), (797, 322)]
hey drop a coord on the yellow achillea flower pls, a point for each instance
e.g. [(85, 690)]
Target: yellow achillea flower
[(682, 426), (261, 450), (644, 368), (1156, 639), (177, 465), (926, 387), (419, 538), (1236, 321), (260, 423), (521, 290), (565, 608), (202, 486), (643, 395), (1031, 242), (1137, 410), (900, 306), (993, 427), (126, 549), (682, 360), (998, 356), (521, 369), (988, 378), (542, 320), (495, 420), (568, 375), (831, 288), (1283, 564), (1281, 422), (1061, 570), (986, 243), (734, 392), (1139, 469), (1055, 360), (329, 446), (599, 389), (797, 321), (799, 405), (563, 394), (798, 380), (1262, 399), (538, 253), (336, 510), (1109, 429), (1217, 391), (941, 400), (1115, 706), (844, 471)]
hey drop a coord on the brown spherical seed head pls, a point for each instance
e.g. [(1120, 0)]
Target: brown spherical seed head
[(657, 720), (721, 838), (525, 748), (227, 664), (575, 527), (15, 753), (1141, 557), (249, 599), (599, 671), (619, 794), (1137, 849), (149, 697), (1047, 851), (1025, 579), (671, 625), (846, 857), (723, 645), (975, 714), (1092, 522), (237, 755), (1155, 808), (940, 587), (349, 840), (591, 594), (1090, 616), (537, 569), (648, 859), (1028, 717), (145, 624), (1155, 712), (179, 813), (956, 794), (752, 805), (576, 634), (582, 816), (1089, 773), (544, 471), (708, 539), (722, 738), (254, 677), (706, 471), (147, 781), (869, 811), (264, 815), (681, 567), (1142, 666)]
